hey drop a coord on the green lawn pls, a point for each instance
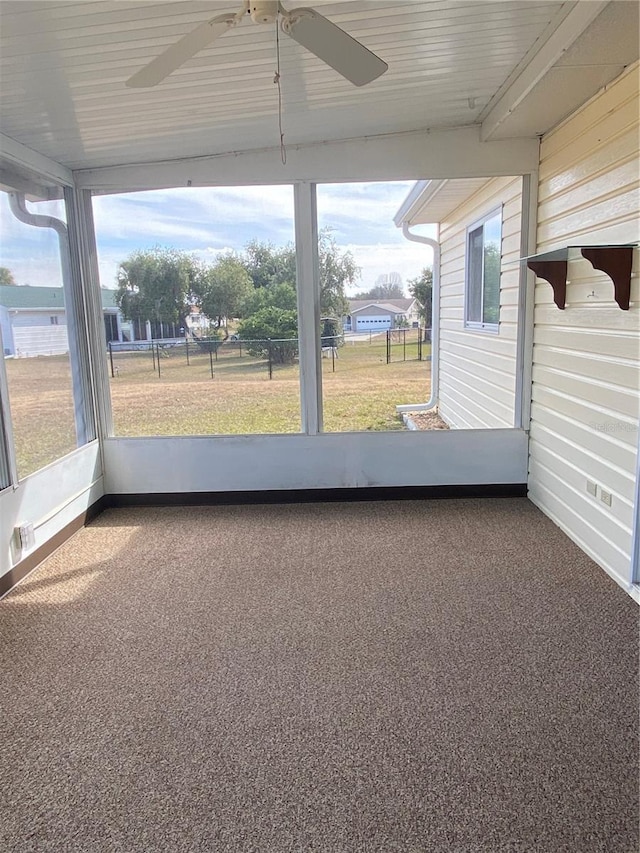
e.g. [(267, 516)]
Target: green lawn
[(240, 398), (41, 410), (361, 394)]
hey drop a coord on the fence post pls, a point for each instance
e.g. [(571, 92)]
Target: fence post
[(404, 344), (388, 346), (111, 359), (153, 355), (158, 357), (419, 344), (215, 349), (333, 355), (240, 342), (211, 361), (270, 360), (186, 341)]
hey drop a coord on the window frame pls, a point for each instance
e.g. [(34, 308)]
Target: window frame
[(480, 325)]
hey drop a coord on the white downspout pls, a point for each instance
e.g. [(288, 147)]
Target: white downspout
[(18, 207), (435, 323)]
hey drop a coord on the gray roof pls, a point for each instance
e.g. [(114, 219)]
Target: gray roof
[(47, 298), (395, 306)]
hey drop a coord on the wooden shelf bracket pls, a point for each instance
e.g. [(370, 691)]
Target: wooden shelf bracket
[(555, 272), (616, 262)]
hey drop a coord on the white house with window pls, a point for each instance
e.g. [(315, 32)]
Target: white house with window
[(479, 223), (579, 349)]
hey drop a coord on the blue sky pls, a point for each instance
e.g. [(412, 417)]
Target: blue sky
[(208, 221)]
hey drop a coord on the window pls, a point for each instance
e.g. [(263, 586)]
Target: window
[(368, 271), (43, 385), (229, 255), (484, 240)]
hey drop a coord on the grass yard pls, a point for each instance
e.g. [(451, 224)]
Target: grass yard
[(41, 410), (240, 398), (186, 400)]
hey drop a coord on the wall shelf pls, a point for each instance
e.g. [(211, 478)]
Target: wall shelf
[(614, 260)]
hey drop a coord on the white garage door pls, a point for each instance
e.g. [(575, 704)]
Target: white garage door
[(374, 321)]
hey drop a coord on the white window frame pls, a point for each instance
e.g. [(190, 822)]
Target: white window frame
[(479, 325)]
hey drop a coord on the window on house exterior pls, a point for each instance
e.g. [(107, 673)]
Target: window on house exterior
[(484, 240)]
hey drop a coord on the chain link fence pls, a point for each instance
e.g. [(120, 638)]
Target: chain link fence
[(237, 358)]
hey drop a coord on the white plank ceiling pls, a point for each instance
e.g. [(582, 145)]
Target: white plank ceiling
[(63, 67)]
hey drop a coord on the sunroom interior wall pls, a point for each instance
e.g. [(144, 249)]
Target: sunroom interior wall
[(585, 394), (478, 368)]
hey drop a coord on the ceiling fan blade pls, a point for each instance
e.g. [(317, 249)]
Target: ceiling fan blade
[(334, 46), (181, 51)]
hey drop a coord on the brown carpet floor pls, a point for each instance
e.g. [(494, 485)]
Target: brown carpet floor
[(394, 676)]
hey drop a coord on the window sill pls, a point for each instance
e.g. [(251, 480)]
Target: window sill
[(485, 328)]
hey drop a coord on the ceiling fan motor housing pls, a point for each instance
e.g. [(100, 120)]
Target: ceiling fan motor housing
[(263, 11)]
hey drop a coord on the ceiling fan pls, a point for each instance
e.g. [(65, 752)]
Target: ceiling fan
[(309, 28)]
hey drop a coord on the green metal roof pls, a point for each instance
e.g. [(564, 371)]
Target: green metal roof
[(26, 296)]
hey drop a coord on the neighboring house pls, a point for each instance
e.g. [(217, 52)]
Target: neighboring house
[(34, 320), (582, 360), (115, 327), (366, 315), (197, 321)]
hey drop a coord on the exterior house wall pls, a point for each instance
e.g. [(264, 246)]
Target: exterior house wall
[(478, 368), (585, 392), (35, 334)]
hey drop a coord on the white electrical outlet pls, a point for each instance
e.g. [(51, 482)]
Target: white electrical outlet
[(605, 497), (592, 488), (27, 536)]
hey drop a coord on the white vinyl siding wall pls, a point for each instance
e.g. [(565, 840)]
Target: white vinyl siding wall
[(585, 397), (477, 368), (34, 333)]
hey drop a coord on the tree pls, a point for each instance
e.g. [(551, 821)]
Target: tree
[(491, 300), (156, 285), (6, 276), (281, 296), (387, 286), (421, 288), (336, 269), (222, 288), (276, 325), (269, 266)]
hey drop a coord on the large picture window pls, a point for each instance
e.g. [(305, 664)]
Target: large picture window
[(482, 302), (200, 306)]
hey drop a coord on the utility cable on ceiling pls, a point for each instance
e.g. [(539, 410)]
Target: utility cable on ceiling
[(276, 80)]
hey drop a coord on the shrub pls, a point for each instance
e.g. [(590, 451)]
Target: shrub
[(271, 328)]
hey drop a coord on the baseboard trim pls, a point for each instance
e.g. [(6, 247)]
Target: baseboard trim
[(275, 496), (33, 560)]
